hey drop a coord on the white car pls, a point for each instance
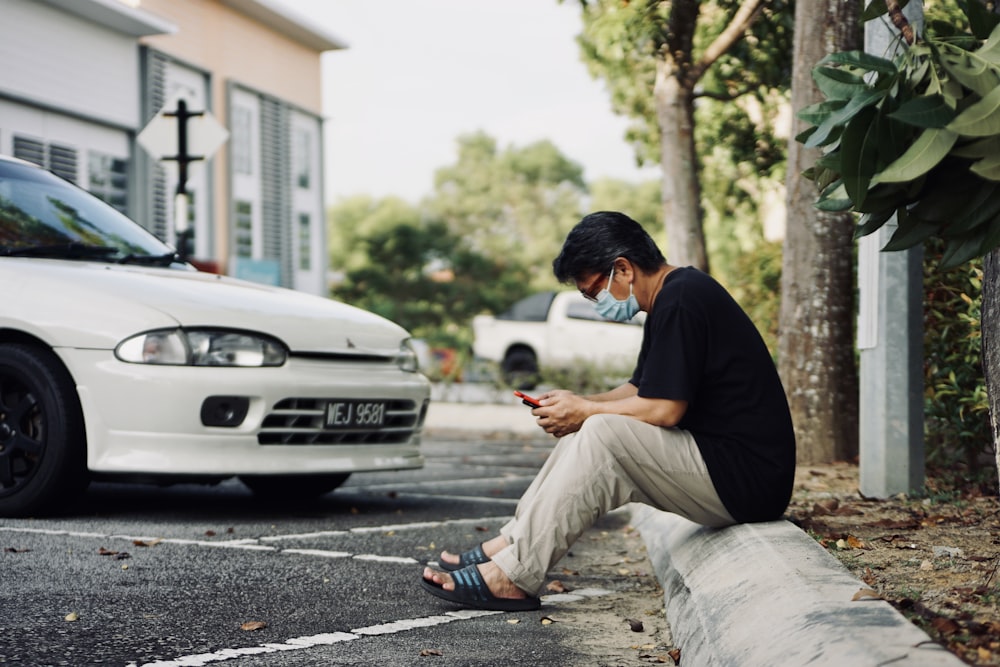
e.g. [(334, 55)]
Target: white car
[(117, 361)]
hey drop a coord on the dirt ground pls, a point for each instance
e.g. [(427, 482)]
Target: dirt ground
[(935, 559)]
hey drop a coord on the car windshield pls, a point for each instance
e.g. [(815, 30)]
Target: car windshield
[(42, 215)]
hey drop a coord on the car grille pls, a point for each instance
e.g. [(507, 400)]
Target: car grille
[(300, 421)]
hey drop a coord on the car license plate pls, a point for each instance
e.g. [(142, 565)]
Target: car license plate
[(355, 414)]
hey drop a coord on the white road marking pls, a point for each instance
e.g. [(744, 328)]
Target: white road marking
[(254, 544), (328, 639)]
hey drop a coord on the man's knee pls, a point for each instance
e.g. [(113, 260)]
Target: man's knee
[(603, 433)]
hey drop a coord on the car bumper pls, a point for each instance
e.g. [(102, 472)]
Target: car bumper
[(147, 419)]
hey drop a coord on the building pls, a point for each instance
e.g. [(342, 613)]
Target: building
[(82, 78)]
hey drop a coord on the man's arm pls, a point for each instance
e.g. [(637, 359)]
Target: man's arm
[(563, 412)]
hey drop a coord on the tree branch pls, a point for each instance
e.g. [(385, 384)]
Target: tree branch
[(899, 20), (734, 32)]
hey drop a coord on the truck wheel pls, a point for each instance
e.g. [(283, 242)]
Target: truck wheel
[(520, 369)]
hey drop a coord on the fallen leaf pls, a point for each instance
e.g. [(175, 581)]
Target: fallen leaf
[(855, 543), (675, 655), (866, 594), (251, 626), (482, 529), (513, 621), (624, 571), (634, 624), (230, 530), (547, 621), (556, 586), (150, 543), (825, 507), (106, 552), (429, 652), (72, 616), (945, 626), (570, 573), (14, 550)]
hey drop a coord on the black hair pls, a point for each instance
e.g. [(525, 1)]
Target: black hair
[(594, 243)]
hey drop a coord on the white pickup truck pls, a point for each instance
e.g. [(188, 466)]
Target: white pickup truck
[(554, 329)]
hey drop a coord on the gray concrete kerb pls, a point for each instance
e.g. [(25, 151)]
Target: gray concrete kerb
[(745, 596), (768, 594)]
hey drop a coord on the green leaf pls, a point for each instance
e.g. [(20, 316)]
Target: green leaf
[(981, 119), (825, 130), (860, 60), (988, 167), (968, 68), (909, 233), (959, 251), (838, 84), (814, 114), (979, 148), (923, 155), (834, 198), (981, 207), (858, 148), (871, 222), (981, 20), (925, 111)]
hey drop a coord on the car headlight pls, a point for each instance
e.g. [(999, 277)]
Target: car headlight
[(406, 359), (202, 347)]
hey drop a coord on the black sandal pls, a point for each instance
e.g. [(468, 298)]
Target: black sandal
[(472, 591), (474, 556)]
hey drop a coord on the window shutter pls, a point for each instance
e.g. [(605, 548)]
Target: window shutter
[(276, 204)]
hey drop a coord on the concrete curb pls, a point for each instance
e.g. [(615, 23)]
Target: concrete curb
[(768, 594)]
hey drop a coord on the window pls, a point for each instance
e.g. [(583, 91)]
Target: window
[(108, 179), (305, 242), (303, 158), (242, 140), (244, 229), (534, 308)]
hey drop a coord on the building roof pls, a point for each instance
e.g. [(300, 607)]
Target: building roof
[(286, 22), (117, 16)]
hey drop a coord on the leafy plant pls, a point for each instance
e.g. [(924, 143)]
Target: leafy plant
[(917, 137), (957, 431)]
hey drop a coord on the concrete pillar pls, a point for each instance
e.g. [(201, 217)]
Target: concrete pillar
[(890, 339)]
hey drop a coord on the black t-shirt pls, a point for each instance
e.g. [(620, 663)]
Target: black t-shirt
[(699, 346)]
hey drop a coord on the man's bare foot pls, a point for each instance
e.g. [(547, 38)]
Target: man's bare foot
[(490, 548), (494, 578)]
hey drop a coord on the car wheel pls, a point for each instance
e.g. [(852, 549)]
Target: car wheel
[(520, 369), (43, 450), (293, 487)]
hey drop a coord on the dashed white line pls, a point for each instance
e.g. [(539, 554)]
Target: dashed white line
[(329, 639)]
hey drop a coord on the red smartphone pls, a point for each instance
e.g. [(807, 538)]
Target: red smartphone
[(530, 401)]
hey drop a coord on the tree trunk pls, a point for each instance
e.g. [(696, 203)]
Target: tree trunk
[(681, 190), (816, 343), (990, 328)]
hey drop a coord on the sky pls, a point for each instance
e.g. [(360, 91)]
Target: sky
[(417, 74)]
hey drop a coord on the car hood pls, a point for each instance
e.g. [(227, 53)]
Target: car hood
[(89, 304)]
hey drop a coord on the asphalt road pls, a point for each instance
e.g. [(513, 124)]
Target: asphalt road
[(136, 575)]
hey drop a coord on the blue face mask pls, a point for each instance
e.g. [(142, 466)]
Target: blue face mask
[(613, 309)]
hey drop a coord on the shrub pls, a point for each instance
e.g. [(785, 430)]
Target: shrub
[(957, 429)]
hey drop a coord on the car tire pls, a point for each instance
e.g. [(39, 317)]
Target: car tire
[(293, 487), (520, 369), (43, 450)]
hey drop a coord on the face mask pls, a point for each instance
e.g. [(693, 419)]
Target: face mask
[(613, 309)]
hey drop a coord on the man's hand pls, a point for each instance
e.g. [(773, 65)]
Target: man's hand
[(562, 412)]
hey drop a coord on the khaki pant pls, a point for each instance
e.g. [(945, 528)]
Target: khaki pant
[(612, 460)]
